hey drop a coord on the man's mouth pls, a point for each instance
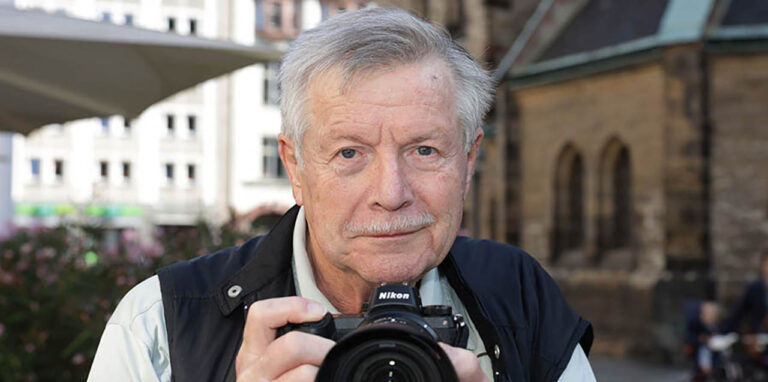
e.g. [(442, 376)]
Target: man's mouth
[(392, 234)]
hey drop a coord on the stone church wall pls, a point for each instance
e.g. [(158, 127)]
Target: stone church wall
[(588, 113), (739, 189)]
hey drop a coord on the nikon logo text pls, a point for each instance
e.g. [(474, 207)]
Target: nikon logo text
[(393, 295)]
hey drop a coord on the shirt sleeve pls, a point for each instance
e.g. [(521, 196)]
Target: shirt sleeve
[(578, 369), (134, 345)]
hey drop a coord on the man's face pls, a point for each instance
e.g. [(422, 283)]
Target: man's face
[(384, 171)]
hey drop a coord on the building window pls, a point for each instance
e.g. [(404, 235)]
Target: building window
[(615, 198), (58, 168), (34, 168), (568, 232), (170, 124), (511, 181), (106, 17), (169, 172), (271, 83), (191, 175), (128, 19), (456, 19), (278, 19), (622, 199), (171, 24), (126, 171), (330, 8), (272, 166), (193, 27), (276, 15), (493, 225), (192, 124), (126, 125), (104, 125), (104, 170)]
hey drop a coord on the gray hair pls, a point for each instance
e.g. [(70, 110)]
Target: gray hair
[(362, 41)]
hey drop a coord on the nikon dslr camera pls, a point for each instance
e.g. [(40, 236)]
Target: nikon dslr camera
[(394, 340)]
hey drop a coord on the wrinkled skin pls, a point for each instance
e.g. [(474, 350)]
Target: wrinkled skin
[(383, 178)]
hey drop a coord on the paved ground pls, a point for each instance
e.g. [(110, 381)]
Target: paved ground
[(627, 370)]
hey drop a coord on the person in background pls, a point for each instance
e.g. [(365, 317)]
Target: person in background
[(749, 317), (752, 306), (702, 325)]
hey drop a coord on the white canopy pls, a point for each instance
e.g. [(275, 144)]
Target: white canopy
[(55, 68)]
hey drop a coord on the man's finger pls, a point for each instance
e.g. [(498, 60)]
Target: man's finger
[(302, 373), (465, 363), (267, 315), (293, 350)]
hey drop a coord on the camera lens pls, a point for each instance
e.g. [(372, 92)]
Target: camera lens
[(387, 352), (387, 372), (388, 367), (392, 361)]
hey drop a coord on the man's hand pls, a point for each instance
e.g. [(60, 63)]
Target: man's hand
[(465, 363), (296, 356)]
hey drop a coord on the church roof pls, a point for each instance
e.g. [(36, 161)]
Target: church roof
[(746, 12), (604, 23), (567, 38)]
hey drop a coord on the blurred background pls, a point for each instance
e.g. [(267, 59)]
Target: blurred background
[(627, 150)]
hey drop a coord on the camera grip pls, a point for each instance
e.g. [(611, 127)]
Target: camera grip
[(323, 328)]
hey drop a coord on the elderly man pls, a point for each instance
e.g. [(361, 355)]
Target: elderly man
[(382, 116)]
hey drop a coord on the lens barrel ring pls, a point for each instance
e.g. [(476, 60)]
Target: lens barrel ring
[(389, 352)]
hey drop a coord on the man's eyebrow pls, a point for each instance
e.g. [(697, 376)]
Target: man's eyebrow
[(427, 136), (347, 136), (340, 135)]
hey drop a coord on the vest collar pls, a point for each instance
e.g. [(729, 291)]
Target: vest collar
[(270, 262)]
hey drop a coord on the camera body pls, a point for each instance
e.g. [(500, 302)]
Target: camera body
[(394, 339), (398, 305)]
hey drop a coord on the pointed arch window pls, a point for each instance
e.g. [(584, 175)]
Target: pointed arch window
[(568, 225), (615, 198)]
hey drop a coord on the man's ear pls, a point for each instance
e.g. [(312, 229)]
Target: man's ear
[(287, 149), (472, 159)]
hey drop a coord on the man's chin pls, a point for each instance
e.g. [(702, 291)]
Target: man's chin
[(394, 272)]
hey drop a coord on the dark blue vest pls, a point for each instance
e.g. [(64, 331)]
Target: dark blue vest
[(515, 305)]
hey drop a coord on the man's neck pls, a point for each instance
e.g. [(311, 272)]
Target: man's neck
[(347, 297), (345, 290)]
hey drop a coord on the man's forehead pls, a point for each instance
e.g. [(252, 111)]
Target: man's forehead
[(339, 79)]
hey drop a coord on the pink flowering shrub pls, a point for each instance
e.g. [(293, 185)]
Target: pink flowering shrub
[(58, 287)]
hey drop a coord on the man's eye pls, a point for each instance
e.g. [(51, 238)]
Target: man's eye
[(425, 150), (348, 153)]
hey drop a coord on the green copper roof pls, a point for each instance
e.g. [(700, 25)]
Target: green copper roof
[(684, 21)]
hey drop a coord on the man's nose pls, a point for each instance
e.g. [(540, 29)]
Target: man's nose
[(392, 189)]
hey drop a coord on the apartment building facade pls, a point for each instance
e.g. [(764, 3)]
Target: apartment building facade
[(206, 154)]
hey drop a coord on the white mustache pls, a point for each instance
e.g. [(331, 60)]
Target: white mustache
[(396, 225)]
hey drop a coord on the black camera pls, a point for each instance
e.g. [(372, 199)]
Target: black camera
[(394, 340)]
